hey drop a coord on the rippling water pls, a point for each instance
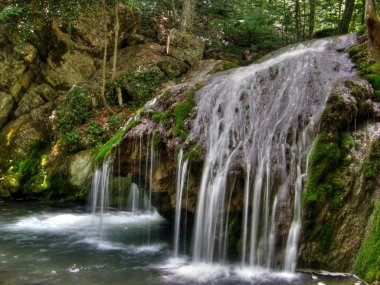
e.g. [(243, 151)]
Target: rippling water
[(41, 245)]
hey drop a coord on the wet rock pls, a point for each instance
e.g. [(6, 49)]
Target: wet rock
[(186, 47), (200, 71), (6, 106)]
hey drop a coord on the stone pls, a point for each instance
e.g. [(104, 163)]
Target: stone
[(46, 92), (27, 51), (172, 66), (28, 102), (88, 31), (75, 67), (202, 69), (186, 47), (6, 106), (80, 168)]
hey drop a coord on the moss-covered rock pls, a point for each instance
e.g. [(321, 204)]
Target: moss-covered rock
[(20, 136), (367, 264), (28, 102), (172, 67), (186, 47)]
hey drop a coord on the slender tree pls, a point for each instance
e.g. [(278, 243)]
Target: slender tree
[(349, 6), (297, 20), (105, 51), (311, 18), (373, 25), (115, 48), (187, 15)]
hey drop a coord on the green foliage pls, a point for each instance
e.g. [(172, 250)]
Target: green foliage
[(193, 154), (181, 113), (9, 12), (367, 68), (95, 132), (74, 110), (367, 264), (141, 84), (107, 147)]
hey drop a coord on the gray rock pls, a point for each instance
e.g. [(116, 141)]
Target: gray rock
[(80, 168)]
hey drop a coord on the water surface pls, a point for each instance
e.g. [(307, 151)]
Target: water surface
[(49, 246)]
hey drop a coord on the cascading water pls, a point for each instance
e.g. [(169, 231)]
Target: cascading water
[(99, 195), (181, 177), (263, 119)]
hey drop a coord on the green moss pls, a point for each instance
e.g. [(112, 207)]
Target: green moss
[(371, 168), (324, 159), (107, 147), (367, 264), (156, 140), (193, 154), (163, 117), (28, 177), (181, 113), (369, 69)]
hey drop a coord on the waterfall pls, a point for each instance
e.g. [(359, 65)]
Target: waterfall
[(133, 198), (261, 119), (99, 195), (181, 177)]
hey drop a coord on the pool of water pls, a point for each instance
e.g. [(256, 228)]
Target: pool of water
[(41, 245)]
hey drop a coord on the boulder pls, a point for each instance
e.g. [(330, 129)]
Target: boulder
[(27, 51), (87, 31), (28, 102), (172, 66), (186, 47), (74, 67), (199, 72), (80, 168), (6, 106)]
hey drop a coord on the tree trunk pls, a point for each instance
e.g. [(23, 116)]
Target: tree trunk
[(104, 77), (373, 26), (349, 6), (297, 22), (116, 43), (311, 18), (187, 15)]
